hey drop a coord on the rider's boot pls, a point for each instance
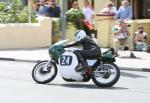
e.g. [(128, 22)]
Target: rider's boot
[(87, 69)]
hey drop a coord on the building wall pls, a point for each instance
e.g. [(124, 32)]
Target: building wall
[(26, 35)]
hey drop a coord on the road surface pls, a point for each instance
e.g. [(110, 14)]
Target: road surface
[(17, 86)]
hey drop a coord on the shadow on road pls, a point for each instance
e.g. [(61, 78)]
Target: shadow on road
[(131, 75), (86, 86), (127, 57)]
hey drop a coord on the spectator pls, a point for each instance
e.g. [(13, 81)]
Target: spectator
[(43, 9), (140, 39), (125, 11), (110, 9), (35, 5), (54, 9), (75, 6), (88, 11), (121, 36)]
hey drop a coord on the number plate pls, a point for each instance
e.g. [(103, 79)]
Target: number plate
[(65, 60)]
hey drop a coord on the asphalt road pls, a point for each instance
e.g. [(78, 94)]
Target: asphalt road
[(17, 86)]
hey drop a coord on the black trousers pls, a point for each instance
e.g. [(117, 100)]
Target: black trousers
[(82, 55)]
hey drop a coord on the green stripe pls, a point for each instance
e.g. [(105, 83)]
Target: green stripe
[(77, 32)]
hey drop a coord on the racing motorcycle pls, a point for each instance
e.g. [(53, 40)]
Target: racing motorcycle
[(104, 72)]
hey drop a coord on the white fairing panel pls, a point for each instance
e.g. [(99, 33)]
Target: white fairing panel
[(67, 63), (91, 62)]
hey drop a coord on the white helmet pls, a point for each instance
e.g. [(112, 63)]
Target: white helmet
[(80, 34)]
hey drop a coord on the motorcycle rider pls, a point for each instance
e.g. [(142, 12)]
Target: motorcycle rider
[(90, 48)]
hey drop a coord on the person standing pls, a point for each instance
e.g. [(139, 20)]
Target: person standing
[(125, 11), (89, 14), (88, 11)]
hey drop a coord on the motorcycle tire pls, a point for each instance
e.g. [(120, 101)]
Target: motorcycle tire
[(105, 80), (37, 71)]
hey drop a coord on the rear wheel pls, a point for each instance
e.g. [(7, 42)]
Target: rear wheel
[(40, 75), (106, 75)]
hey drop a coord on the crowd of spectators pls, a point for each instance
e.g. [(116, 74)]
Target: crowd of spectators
[(50, 8)]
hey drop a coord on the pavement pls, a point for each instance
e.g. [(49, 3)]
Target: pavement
[(124, 62)]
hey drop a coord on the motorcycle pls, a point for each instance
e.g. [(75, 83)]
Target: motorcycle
[(105, 73)]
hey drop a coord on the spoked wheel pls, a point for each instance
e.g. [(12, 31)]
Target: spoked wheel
[(106, 75), (44, 76)]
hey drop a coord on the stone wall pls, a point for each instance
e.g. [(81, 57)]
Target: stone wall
[(26, 35)]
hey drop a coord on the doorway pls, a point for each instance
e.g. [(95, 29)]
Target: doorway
[(141, 9)]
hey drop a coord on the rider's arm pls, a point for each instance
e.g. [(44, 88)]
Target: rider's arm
[(117, 32), (72, 44)]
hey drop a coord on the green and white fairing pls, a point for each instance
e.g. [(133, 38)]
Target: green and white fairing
[(56, 50), (66, 60)]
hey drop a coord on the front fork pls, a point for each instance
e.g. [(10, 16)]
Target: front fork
[(47, 65)]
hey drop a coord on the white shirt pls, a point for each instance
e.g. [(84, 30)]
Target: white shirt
[(88, 12), (122, 35), (144, 33), (112, 10)]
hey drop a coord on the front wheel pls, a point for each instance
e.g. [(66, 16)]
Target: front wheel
[(106, 75), (40, 75)]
